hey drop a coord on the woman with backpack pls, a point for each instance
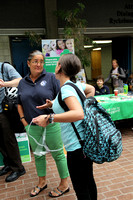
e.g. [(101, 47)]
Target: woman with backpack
[(80, 167), (117, 75)]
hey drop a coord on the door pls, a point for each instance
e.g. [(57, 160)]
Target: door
[(20, 49), (95, 64)]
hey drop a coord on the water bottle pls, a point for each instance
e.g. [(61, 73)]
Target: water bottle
[(125, 88)]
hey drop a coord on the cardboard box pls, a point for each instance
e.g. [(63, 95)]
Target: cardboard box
[(23, 144)]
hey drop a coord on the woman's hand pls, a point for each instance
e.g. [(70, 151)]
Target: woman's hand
[(41, 120), (48, 104), (1, 83), (24, 123)]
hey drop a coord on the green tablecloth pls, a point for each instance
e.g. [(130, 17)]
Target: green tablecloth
[(120, 107)]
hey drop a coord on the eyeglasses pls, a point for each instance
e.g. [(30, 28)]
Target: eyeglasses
[(37, 62)]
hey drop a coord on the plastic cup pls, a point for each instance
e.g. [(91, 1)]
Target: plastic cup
[(116, 92)]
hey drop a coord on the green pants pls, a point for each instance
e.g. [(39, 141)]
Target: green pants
[(53, 141)]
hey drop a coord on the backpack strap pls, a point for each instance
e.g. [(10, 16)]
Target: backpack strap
[(64, 106), (2, 69), (62, 103), (82, 97), (2, 72)]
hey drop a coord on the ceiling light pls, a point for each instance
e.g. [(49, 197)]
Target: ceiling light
[(88, 46), (102, 41), (97, 49)]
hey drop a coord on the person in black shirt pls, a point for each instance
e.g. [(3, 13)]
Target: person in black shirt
[(100, 88)]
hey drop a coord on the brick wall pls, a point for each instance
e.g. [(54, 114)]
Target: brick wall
[(5, 54)]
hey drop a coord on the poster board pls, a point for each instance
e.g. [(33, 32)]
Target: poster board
[(81, 76), (23, 144), (53, 49)]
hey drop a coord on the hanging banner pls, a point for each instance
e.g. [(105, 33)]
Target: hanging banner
[(53, 49)]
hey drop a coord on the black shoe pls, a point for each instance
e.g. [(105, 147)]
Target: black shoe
[(15, 175), (5, 170)]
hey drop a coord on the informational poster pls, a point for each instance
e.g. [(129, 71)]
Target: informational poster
[(81, 76), (53, 49), (24, 148), (23, 144)]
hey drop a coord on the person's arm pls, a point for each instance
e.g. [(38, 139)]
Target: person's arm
[(11, 77), (89, 90), (48, 104), (21, 114), (75, 113), (107, 90), (12, 83), (122, 74), (108, 78)]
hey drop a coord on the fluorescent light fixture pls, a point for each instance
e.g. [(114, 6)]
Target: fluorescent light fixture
[(98, 42), (88, 46), (97, 49), (102, 41)]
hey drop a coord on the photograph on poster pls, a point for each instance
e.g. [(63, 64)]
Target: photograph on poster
[(53, 48)]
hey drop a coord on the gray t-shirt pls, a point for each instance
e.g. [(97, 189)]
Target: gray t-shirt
[(117, 81), (9, 74), (115, 78)]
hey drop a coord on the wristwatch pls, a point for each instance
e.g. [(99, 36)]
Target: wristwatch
[(51, 118)]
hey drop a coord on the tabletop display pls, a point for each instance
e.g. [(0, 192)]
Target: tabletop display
[(119, 107)]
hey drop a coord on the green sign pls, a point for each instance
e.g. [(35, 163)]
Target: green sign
[(50, 63), (23, 144)]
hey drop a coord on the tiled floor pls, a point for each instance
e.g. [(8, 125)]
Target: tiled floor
[(114, 180)]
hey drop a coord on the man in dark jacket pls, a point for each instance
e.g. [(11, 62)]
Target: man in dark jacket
[(8, 143)]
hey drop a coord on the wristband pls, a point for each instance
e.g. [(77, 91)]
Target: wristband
[(51, 119), (22, 118)]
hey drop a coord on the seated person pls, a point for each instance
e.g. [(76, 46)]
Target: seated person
[(100, 88), (130, 83)]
